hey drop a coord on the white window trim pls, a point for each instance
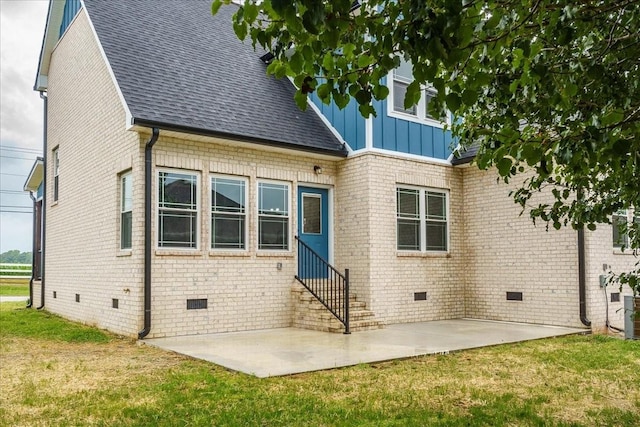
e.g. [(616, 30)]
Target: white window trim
[(423, 218), (56, 173), (124, 176), (197, 210), (289, 214), (630, 215), (421, 107), (246, 212)]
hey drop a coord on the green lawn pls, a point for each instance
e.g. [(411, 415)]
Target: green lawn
[(59, 373), (12, 289)]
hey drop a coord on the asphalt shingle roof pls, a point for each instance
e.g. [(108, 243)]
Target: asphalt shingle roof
[(181, 68)]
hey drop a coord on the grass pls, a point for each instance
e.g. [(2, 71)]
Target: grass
[(14, 288), (55, 372)]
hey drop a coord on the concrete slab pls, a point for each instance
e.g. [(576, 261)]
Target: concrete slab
[(274, 352)]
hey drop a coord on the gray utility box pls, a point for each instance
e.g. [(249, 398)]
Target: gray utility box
[(631, 321)]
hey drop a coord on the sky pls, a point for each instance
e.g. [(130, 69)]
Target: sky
[(22, 25)]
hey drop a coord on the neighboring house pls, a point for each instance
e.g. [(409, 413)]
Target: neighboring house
[(178, 175)]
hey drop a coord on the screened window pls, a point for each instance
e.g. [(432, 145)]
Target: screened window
[(422, 223), (177, 210), (273, 216), (228, 213), (126, 207), (56, 171)]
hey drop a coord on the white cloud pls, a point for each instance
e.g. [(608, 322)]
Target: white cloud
[(22, 25)]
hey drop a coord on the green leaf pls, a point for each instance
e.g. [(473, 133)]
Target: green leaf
[(301, 100), (504, 166), (215, 6), (327, 61), (380, 92), (365, 60)]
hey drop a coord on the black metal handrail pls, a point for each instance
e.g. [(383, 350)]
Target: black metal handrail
[(326, 284)]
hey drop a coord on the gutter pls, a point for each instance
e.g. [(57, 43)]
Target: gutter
[(148, 166), (224, 135), (582, 279), (33, 253), (44, 202)]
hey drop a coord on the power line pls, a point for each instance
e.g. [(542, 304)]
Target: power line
[(16, 206), (19, 158), (12, 211), (13, 174), (14, 192), (20, 149)]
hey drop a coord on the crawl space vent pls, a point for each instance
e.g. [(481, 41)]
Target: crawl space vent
[(514, 296), (615, 297), (420, 296), (196, 304)]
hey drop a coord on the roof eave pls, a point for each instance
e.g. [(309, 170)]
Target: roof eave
[(49, 40), (35, 177), (242, 138)]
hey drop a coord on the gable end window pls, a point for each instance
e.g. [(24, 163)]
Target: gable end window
[(401, 78), (126, 207), (56, 171), (422, 219), (177, 210), (228, 213), (273, 216)]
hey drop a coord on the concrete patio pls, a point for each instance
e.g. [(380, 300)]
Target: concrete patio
[(285, 351)]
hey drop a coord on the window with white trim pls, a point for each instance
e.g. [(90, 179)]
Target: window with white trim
[(56, 172), (177, 210), (228, 213), (621, 221), (422, 219), (401, 78), (273, 216), (126, 208)]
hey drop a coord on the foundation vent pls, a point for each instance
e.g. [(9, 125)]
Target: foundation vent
[(420, 296), (55, 294), (514, 296), (77, 297), (197, 304), (615, 297), (114, 302)]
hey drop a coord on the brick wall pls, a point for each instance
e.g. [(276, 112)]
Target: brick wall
[(385, 278), (87, 124), (505, 252), (245, 290)]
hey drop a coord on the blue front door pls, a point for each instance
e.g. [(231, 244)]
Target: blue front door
[(313, 225)]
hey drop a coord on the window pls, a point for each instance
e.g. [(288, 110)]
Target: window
[(126, 206), (421, 220), (56, 170), (401, 78), (622, 218), (273, 216), (228, 213), (177, 210)]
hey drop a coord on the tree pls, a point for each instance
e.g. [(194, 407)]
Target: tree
[(551, 86), (14, 256)]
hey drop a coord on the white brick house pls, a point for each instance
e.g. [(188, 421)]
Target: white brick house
[(201, 238)]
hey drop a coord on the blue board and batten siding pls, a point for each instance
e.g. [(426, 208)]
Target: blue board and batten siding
[(348, 122), (71, 8), (404, 136), (389, 133)]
